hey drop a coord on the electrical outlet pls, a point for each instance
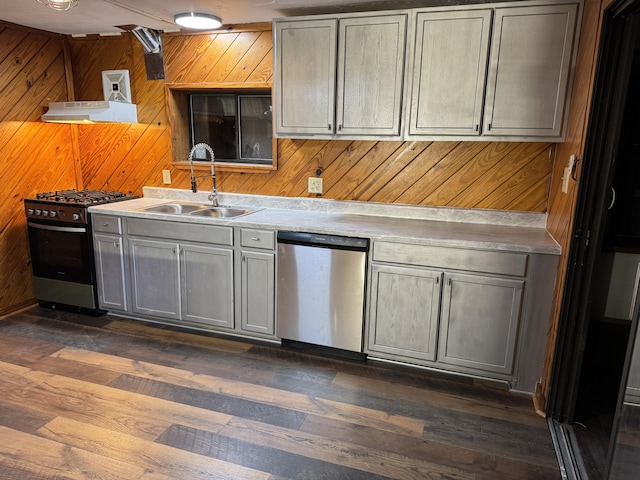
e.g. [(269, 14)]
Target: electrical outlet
[(166, 177), (315, 185)]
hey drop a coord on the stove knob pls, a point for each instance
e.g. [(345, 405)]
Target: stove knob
[(38, 211), (76, 216), (53, 213), (30, 211), (45, 213)]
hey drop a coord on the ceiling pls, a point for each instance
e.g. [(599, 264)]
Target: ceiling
[(103, 16)]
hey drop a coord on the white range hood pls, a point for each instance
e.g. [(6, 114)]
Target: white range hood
[(91, 112)]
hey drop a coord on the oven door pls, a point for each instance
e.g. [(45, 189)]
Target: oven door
[(61, 252)]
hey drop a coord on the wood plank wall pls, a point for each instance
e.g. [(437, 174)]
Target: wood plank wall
[(509, 176), (34, 156)]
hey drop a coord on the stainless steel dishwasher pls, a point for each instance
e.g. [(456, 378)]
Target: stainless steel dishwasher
[(321, 287)]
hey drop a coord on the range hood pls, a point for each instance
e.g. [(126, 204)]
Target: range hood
[(116, 107), (91, 112)]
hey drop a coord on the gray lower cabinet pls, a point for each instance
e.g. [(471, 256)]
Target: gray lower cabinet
[(111, 265), (479, 322), (206, 279), (188, 274), (258, 292), (404, 306), (181, 281), (257, 281), (110, 272), (155, 287), (465, 321)]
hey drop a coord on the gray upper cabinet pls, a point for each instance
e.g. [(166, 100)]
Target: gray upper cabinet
[(371, 53), (340, 76), (449, 71), (529, 71), (305, 71)]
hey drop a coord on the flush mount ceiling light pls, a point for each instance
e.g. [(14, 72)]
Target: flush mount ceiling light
[(198, 21), (59, 5)]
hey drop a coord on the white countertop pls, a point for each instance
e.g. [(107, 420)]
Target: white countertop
[(477, 229)]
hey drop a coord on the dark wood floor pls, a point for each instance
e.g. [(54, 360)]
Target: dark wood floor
[(109, 398)]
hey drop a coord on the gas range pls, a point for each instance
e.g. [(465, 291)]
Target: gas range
[(69, 206)]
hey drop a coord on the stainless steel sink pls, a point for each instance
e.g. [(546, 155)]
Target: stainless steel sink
[(175, 208), (221, 212), (198, 209)]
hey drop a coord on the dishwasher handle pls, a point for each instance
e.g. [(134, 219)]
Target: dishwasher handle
[(322, 240)]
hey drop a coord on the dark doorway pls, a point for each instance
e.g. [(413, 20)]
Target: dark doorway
[(604, 267)]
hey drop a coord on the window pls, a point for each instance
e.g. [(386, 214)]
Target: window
[(237, 126)]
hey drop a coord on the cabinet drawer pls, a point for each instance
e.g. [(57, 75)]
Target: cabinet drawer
[(180, 231), (106, 224), (257, 239), (505, 263)]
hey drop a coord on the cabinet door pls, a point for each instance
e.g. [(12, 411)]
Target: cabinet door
[(449, 71), (305, 72), (110, 272), (258, 292), (371, 52), (404, 310), (529, 70), (479, 323), (154, 278), (207, 285)]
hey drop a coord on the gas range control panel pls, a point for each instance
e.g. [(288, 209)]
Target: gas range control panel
[(56, 213)]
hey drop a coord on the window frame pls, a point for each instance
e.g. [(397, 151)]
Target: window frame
[(178, 120)]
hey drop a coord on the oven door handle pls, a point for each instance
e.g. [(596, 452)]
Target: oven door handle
[(56, 228)]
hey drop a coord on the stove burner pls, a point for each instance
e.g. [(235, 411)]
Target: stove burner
[(83, 197)]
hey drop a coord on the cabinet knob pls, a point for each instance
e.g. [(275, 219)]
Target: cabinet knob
[(116, 244), (329, 127), (340, 127)]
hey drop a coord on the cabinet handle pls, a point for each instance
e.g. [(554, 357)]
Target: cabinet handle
[(437, 280), (105, 224), (255, 239), (489, 127), (329, 127), (340, 127), (116, 244), (449, 282), (477, 127)]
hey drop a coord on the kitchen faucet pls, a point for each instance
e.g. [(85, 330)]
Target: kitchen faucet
[(194, 187)]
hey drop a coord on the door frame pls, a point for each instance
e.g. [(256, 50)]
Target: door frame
[(603, 133)]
